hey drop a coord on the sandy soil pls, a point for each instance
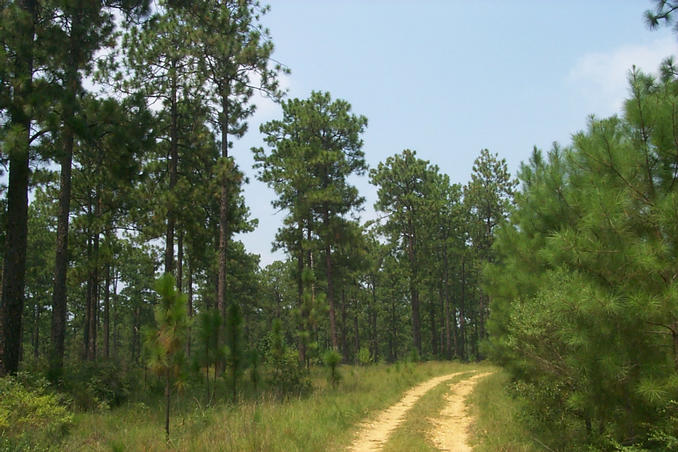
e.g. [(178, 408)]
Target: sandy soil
[(450, 430), (374, 434)]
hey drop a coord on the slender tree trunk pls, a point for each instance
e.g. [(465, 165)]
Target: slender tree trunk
[(414, 291), (462, 313), (14, 272), (344, 345), (36, 331), (300, 294), (173, 159), (356, 329), (330, 278), (446, 302), (223, 220), (189, 300), (434, 327), (93, 282), (59, 295), (107, 312), (180, 261), (88, 295), (374, 344), (167, 405), (113, 305)]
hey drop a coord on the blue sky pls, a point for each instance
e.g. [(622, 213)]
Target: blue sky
[(448, 78)]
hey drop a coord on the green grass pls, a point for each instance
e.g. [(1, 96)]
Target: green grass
[(498, 424), (327, 419)]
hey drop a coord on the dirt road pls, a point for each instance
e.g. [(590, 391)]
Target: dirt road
[(373, 435), (451, 426)]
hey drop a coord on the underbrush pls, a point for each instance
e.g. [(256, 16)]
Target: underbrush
[(32, 416)]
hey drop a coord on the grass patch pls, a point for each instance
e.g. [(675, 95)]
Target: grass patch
[(326, 419), (498, 423)]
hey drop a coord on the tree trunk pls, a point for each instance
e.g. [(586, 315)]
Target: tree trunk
[(173, 158), (223, 222), (115, 324), (107, 312), (344, 345), (36, 331), (14, 273), (167, 405), (189, 300), (330, 279), (446, 302), (462, 314), (434, 327), (356, 328), (93, 282), (180, 261), (414, 291), (374, 344)]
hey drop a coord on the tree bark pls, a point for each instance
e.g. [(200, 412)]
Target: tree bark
[(59, 295), (36, 331), (14, 273), (414, 291), (330, 278), (180, 261), (167, 405), (223, 222), (189, 300), (107, 312), (174, 156)]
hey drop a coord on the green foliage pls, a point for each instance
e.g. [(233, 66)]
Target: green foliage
[(101, 385), (288, 375), (31, 416), (364, 356), (234, 347), (332, 359), (165, 344), (584, 300)]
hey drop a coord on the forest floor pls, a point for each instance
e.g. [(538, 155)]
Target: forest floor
[(450, 428)]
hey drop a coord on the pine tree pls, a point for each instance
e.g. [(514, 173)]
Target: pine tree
[(315, 148), (165, 343)]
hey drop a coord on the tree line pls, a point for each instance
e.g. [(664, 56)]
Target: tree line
[(118, 124)]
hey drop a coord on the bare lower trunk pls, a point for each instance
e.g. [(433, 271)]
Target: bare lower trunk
[(167, 405), (14, 270), (223, 224), (189, 300), (107, 312)]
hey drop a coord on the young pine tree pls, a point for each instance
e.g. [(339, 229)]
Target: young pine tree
[(165, 342)]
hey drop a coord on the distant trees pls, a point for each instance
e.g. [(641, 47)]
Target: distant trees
[(314, 149)]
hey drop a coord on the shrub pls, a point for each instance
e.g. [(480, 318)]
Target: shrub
[(288, 375), (364, 356), (332, 358), (31, 417)]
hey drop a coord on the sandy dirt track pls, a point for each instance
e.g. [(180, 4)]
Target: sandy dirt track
[(451, 427), (373, 435)]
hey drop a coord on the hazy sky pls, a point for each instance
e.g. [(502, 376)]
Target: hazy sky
[(448, 78)]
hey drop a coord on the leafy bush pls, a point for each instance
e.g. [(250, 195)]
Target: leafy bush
[(31, 417), (364, 356), (288, 375), (332, 358)]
